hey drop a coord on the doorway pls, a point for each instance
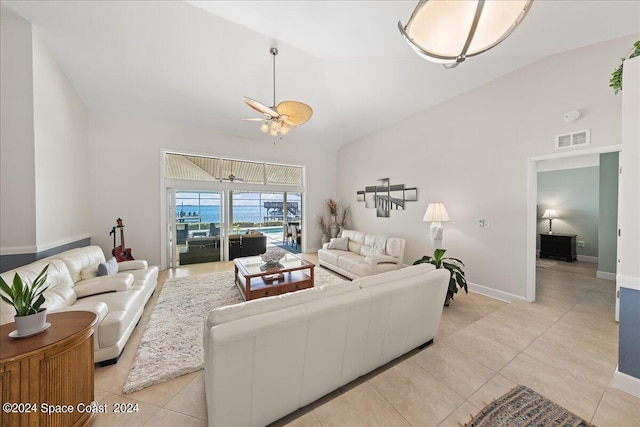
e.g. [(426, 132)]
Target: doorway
[(533, 166), (196, 222)]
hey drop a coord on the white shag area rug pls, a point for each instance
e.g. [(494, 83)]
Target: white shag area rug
[(171, 344)]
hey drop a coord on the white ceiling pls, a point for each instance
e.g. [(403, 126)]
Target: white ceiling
[(192, 62)]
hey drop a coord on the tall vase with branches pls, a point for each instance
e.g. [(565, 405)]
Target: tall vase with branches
[(333, 213)]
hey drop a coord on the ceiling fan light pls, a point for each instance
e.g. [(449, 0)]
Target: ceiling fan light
[(448, 32), (287, 115)]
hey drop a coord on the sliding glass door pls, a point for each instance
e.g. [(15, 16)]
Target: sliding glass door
[(197, 219), (271, 213)]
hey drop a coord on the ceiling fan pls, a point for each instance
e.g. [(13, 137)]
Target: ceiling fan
[(281, 118)]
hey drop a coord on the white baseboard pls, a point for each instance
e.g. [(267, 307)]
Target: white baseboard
[(587, 258), (606, 275), (626, 383), (494, 293)]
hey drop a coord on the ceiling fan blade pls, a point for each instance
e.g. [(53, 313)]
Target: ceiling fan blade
[(260, 107), (297, 112), (256, 120)]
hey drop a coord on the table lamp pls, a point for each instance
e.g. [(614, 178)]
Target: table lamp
[(436, 214), (550, 214)]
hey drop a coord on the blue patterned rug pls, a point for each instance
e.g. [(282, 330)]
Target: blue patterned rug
[(287, 246), (523, 407)]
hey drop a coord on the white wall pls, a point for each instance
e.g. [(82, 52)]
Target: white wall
[(125, 175), (629, 214), (575, 195), (60, 128), (17, 169), (470, 152)]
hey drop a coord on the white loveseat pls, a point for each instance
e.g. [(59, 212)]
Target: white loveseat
[(265, 358), (366, 254), (73, 284)]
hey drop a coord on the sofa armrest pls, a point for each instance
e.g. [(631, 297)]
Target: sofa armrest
[(375, 259), (138, 264), (104, 284)]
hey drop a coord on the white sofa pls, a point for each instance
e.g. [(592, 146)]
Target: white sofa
[(265, 358), (73, 284), (361, 259)]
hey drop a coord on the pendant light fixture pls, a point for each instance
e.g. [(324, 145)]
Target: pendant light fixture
[(448, 32)]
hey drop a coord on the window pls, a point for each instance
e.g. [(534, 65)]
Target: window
[(200, 168)]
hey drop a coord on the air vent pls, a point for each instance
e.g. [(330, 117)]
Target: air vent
[(575, 139)]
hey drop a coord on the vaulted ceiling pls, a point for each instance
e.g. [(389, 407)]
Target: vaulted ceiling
[(193, 61)]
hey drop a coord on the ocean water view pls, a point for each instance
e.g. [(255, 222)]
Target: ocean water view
[(211, 213)]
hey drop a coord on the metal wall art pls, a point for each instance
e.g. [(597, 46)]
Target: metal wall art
[(384, 197)]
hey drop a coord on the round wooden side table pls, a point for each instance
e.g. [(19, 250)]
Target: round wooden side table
[(47, 379)]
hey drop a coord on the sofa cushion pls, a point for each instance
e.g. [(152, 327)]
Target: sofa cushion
[(355, 264), (123, 310), (90, 272), (100, 285), (108, 267), (137, 264), (395, 247), (330, 255), (356, 240), (78, 259), (59, 285), (339, 243)]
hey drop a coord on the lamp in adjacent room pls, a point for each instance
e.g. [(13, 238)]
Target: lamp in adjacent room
[(448, 32), (436, 214), (550, 214)]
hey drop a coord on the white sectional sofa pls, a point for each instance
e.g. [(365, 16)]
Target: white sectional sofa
[(73, 284), (364, 255), (266, 358)]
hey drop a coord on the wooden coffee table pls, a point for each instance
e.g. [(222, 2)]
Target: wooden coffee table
[(256, 280)]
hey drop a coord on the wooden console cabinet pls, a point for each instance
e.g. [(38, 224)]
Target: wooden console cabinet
[(48, 372), (558, 246)]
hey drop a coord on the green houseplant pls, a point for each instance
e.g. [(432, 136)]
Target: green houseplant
[(454, 265), (26, 300), (616, 76)]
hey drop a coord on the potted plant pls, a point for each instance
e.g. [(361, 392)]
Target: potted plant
[(616, 76), (26, 300), (454, 265)]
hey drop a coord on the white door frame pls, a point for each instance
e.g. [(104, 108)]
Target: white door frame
[(532, 203)]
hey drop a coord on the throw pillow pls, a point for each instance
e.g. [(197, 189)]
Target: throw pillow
[(108, 267), (339, 243)]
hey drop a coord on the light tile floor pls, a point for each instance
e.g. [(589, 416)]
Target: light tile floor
[(564, 346)]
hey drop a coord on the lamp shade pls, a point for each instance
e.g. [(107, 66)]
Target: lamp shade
[(549, 214), (448, 32), (436, 212)]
